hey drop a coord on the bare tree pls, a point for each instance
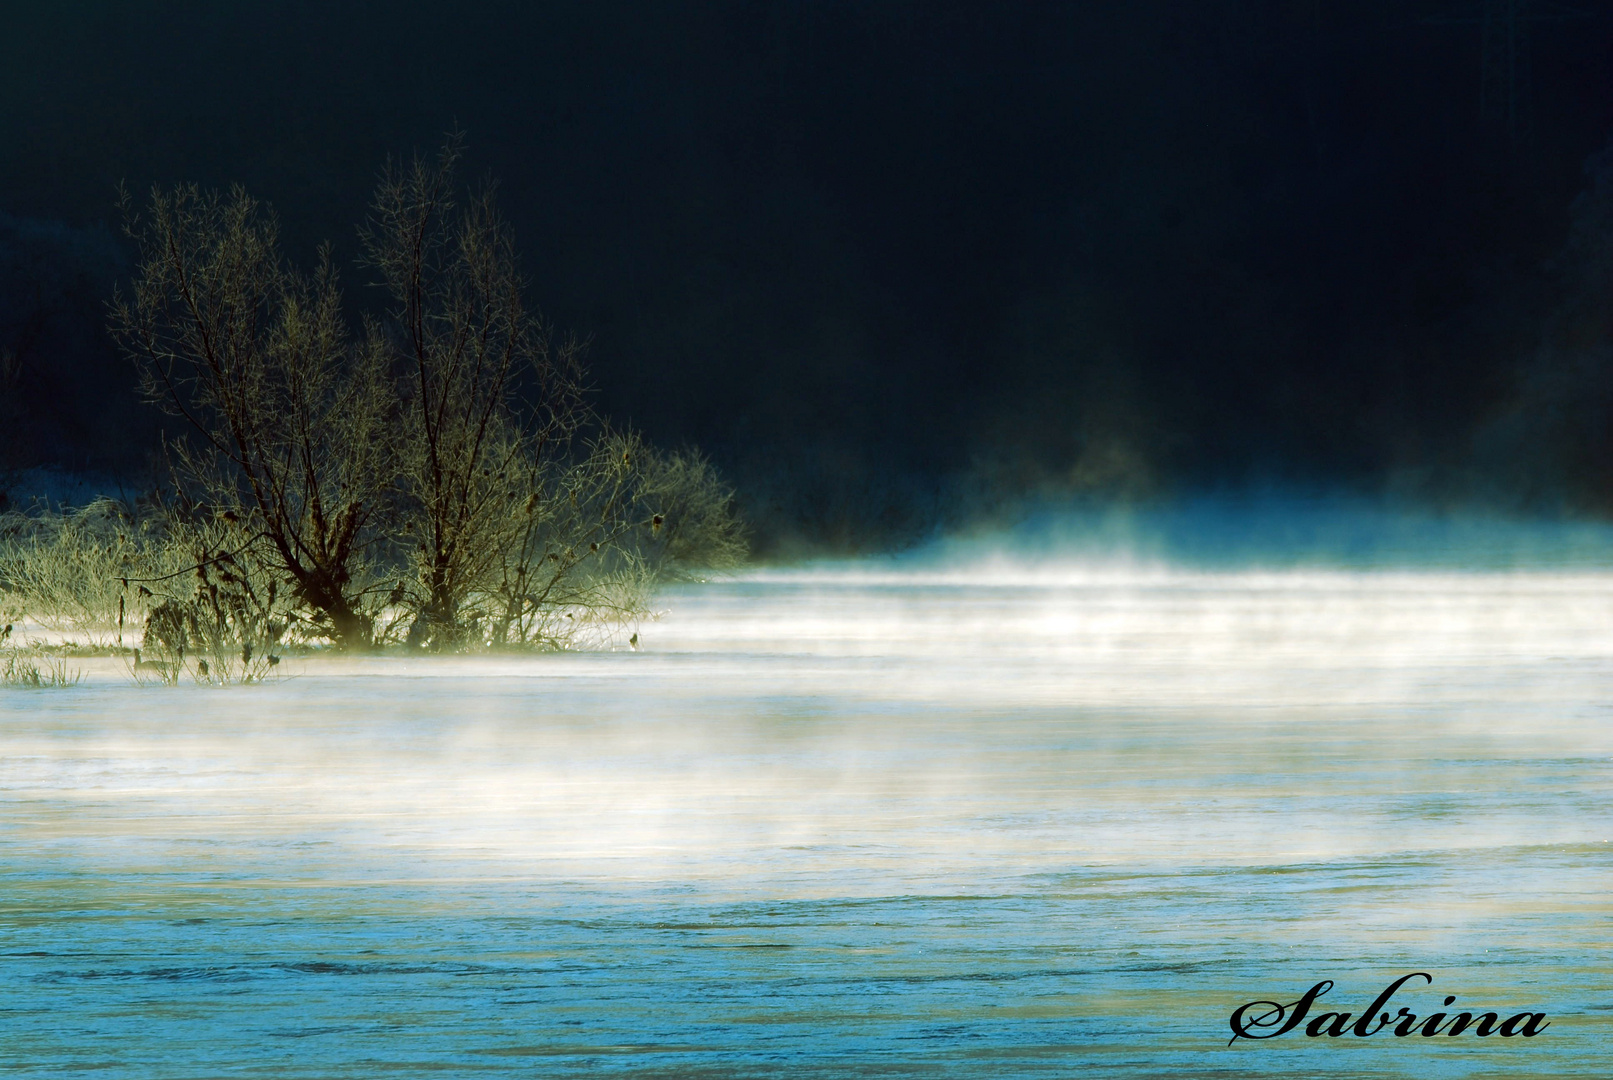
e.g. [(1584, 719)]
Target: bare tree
[(437, 446), (292, 430), (492, 400)]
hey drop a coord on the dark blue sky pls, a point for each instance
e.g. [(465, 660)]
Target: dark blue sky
[(869, 252)]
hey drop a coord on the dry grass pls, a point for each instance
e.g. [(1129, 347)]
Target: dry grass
[(72, 572), (34, 669), (107, 576)]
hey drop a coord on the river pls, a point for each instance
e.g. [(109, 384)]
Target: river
[(860, 819)]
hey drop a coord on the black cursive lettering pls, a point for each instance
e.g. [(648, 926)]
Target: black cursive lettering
[(1320, 1024), (1289, 1016), (1532, 1025), (1269, 1019), (1383, 999)]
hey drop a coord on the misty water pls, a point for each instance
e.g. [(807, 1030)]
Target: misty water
[(984, 811)]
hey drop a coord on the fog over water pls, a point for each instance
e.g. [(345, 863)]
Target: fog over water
[(1003, 807)]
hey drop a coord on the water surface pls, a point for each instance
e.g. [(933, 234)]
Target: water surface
[(854, 821)]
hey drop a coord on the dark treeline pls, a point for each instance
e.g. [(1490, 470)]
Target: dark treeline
[(892, 262)]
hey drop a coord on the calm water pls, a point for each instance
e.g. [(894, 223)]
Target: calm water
[(842, 823)]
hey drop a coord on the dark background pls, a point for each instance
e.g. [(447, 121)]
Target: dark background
[(898, 264)]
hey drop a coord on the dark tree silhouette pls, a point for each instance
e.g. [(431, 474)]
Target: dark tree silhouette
[(292, 425)]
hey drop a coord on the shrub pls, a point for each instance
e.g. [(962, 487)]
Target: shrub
[(692, 527), (223, 617), (72, 571)]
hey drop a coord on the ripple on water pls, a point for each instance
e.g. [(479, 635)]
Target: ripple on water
[(841, 825)]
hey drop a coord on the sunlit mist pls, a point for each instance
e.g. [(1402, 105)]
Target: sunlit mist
[(1092, 760)]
